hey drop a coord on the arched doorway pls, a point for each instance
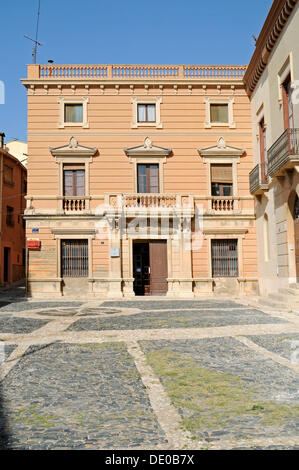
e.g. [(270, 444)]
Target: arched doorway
[(296, 234)]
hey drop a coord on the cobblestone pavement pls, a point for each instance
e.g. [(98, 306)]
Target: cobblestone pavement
[(148, 374)]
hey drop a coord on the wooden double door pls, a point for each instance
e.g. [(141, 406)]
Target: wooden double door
[(150, 267)]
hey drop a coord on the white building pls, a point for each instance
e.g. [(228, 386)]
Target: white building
[(272, 82)]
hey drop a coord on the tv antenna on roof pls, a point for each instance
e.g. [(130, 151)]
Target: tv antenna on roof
[(36, 42)]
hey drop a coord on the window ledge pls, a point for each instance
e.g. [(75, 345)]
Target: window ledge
[(220, 124)]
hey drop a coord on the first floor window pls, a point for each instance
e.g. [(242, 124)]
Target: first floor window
[(146, 113), (225, 258), (74, 258), (221, 180), (73, 113), (148, 178), (73, 181)]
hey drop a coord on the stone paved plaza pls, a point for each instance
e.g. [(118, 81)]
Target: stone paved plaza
[(148, 374)]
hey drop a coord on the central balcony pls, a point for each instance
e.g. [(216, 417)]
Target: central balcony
[(147, 203), (284, 153)]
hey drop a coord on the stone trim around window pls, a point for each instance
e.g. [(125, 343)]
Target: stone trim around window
[(73, 234), (286, 70), (148, 153), (73, 153), (142, 100), (222, 153), (62, 102), (230, 102), (226, 235)]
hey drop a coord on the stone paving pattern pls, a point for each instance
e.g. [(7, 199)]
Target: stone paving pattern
[(78, 375), (77, 397), (10, 324), (280, 344), (170, 304), (176, 319), (21, 306), (265, 387)]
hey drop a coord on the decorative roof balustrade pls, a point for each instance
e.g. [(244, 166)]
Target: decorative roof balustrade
[(136, 72)]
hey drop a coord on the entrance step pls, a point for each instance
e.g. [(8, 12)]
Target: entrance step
[(291, 291), (267, 302), (285, 298)]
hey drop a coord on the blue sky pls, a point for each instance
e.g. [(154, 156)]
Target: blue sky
[(124, 32)]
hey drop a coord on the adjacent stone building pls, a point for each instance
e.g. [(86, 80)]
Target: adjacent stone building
[(272, 82), (138, 181)]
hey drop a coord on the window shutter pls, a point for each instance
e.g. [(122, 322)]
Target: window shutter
[(154, 178), (80, 182), (221, 173), (141, 111), (68, 183)]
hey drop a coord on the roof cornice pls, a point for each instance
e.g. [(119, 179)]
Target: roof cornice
[(271, 30)]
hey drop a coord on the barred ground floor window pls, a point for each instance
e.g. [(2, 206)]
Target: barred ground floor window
[(225, 258), (74, 258)]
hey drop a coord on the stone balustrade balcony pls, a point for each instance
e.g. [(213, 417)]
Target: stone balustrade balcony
[(116, 72), (140, 204)]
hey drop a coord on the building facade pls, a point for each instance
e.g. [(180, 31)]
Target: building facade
[(271, 82), (13, 176), (138, 181)]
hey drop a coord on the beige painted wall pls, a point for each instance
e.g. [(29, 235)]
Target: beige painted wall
[(109, 116), (278, 271)]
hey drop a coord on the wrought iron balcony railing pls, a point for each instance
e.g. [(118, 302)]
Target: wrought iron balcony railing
[(258, 179), (284, 153)]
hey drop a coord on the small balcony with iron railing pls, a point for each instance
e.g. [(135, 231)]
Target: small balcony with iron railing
[(258, 179), (284, 153)]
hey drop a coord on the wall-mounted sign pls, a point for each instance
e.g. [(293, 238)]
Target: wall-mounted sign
[(33, 244), (35, 230), (114, 252)]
